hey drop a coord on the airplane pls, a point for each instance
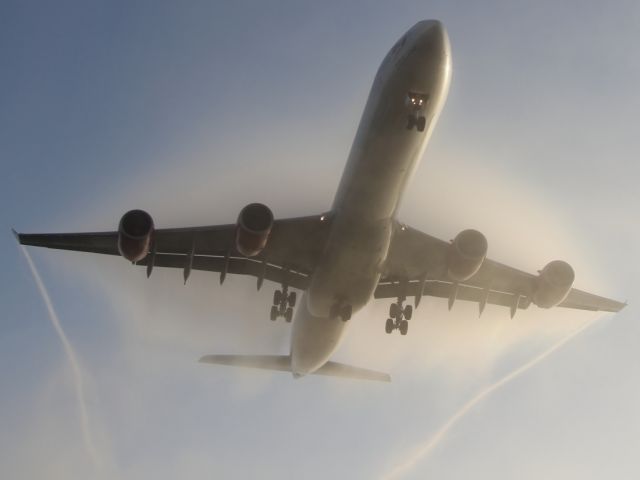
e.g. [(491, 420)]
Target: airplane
[(358, 250)]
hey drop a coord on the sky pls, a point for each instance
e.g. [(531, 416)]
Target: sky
[(191, 110)]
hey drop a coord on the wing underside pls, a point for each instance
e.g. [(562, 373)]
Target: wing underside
[(417, 266), (289, 257)]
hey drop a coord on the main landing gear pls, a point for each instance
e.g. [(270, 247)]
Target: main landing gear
[(283, 303), (400, 315), (415, 103)]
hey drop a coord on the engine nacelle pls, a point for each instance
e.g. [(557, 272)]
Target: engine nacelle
[(134, 235), (466, 254), (254, 226), (553, 284)]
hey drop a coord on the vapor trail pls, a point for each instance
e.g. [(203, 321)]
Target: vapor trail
[(423, 450), (71, 357)]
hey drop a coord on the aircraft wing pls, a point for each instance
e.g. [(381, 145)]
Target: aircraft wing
[(291, 253), (417, 265)]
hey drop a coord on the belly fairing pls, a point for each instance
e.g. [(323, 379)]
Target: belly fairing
[(351, 265)]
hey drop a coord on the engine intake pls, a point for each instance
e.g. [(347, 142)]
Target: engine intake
[(553, 284), (466, 254), (254, 226), (134, 235)]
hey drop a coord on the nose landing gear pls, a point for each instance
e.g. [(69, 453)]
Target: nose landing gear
[(415, 103), (415, 120)]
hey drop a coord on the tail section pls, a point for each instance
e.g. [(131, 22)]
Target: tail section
[(282, 363)]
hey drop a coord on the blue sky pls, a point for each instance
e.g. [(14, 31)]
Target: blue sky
[(193, 110)]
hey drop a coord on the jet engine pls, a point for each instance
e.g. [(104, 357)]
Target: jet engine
[(254, 226), (134, 235), (553, 284), (466, 254)]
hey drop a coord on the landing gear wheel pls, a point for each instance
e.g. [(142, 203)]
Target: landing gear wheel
[(404, 327), (277, 297), (288, 315), (345, 313), (389, 326), (274, 313), (394, 310), (292, 299), (421, 123), (408, 312), (411, 122)]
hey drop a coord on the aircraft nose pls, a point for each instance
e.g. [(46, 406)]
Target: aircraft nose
[(431, 37)]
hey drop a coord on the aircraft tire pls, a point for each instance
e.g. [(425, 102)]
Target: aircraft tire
[(288, 315), (277, 297), (394, 310), (404, 327), (421, 123), (411, 122), (292, 299), (388, 327), (274, 313), (408, 312)]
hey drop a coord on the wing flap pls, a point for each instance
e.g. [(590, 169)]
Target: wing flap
[(440, 289), (235, 265)]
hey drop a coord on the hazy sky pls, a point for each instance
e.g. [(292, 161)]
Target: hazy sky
[(191, 110)]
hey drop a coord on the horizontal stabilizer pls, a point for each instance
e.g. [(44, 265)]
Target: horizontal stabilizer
[(282, 363), (335, 369)]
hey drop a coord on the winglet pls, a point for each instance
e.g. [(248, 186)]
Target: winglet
[(16, 234)]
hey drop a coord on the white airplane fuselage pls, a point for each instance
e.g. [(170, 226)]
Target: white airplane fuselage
[(384, 155)]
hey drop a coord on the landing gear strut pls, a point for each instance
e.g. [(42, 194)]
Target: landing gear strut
[(283, 303), (400, 315), (415, 103)]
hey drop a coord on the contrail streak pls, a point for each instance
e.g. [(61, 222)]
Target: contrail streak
[(423, 450), (73, 362)]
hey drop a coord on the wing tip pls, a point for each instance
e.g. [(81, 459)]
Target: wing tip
[(17, 235)]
